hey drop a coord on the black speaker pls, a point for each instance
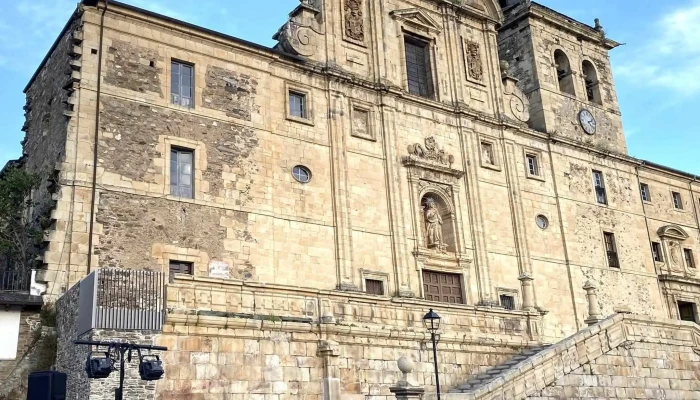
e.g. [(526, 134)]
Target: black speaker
[(47, 385)]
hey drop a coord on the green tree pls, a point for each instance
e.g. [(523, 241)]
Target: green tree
[(18, 235)]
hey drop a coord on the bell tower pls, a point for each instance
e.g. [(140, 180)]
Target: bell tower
[(564, 67)]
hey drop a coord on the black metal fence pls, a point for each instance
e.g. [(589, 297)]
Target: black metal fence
[(130, 299), (14, 281)]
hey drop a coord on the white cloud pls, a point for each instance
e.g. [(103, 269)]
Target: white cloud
[(671, 59)]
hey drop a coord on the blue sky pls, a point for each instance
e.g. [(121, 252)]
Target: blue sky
[(657, 71)]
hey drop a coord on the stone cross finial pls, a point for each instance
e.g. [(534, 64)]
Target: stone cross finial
[(593, 310)]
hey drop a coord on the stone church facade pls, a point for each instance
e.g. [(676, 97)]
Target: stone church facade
[(310, 202)]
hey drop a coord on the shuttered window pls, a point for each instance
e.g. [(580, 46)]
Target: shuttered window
[(180, 267), (446, 288), (181, 173), (611, 250), (418, 71)]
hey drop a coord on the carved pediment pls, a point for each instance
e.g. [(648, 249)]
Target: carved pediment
[(417, 18), (428, 157), (672, 232)]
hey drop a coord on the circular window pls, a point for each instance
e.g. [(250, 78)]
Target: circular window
[(542, 222), (301, 174)]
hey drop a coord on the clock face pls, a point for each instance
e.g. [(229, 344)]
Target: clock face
[(587, 121)]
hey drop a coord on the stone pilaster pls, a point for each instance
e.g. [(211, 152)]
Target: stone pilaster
[(329, 351)]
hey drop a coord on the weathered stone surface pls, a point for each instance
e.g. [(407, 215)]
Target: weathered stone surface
[(133, 67), (134, 131), (231, 92)]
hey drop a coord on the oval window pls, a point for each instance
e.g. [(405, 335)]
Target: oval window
[(542, 222), (301, 174)]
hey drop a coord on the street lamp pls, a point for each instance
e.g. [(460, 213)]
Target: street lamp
[(431, 320)]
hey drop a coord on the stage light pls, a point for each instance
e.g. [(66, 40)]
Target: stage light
[(98, 367), (150, 368)]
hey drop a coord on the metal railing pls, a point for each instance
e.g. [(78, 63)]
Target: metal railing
[(129, 299), (14, 281)]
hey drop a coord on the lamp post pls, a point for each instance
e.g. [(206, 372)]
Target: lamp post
[(431, 320)]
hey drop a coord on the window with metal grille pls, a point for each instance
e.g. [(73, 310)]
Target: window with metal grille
[(656, 251), (297, 105), (447, 288), (611, 250), (418, 71), (689, 258), (644, 189), (677, 200), (533, 165), (599, 183), (508, 302), (180, 267), (374, 286), (181, 173), (182, 84), (687, 311)]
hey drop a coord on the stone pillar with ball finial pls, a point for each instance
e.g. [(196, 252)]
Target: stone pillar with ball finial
[(403, 389)]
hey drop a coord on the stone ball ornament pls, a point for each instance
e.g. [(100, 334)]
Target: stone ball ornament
[(406, 365)]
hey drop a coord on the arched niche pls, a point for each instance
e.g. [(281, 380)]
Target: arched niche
[(590, 77), (438, 222), (564, 73)]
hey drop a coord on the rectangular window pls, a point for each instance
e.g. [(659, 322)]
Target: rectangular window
[(374, 286), (447, 288), (611, 250), (180, 267), (508, 302), (418, 71), (656, 251), (533, 165), (689, 258), (487, 153), (687, 311), (644, 189), (677, 200), (599, 184), (182, 84), (181, 173), (297, 105)]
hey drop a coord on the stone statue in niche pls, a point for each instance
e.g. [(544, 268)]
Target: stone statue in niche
[(474, 65), (354, 20), (431, 152), (675, 249), (433, 225)]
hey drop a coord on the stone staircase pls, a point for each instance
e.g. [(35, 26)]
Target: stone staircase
[(498, 371), (557, 371)]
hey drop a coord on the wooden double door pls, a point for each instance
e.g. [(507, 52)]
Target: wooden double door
[(443, 287)]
